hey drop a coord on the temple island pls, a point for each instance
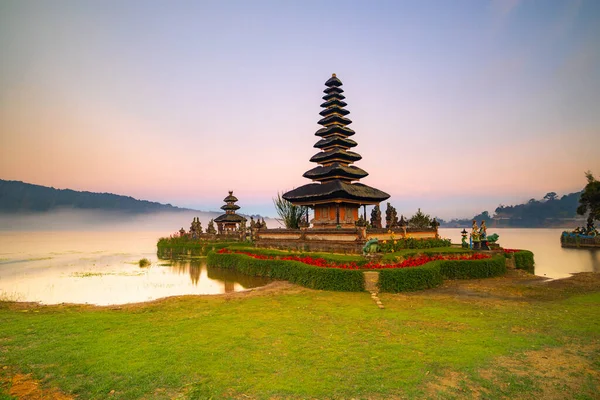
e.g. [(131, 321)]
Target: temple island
[(335, 195)]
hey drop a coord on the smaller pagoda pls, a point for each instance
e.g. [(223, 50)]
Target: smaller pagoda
[(230, 221)]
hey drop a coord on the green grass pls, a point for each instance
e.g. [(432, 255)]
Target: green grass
[(292, 344)]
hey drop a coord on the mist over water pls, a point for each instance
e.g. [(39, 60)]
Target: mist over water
[(106, 221)]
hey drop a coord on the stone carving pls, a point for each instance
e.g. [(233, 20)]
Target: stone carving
[(391, 217), (376, 217)]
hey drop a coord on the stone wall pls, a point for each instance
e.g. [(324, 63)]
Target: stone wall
[(345, 240)]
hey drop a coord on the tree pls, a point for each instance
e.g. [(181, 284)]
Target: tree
[(589, 202), (290, 214), (419, 220), (550, 196), (484, 216)]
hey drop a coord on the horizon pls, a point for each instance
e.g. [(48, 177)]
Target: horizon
[(269, 216), (457, 110)]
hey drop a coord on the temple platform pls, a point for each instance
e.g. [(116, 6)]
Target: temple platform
[(344, 240)]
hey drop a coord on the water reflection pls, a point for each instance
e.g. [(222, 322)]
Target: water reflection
[(232, 280)]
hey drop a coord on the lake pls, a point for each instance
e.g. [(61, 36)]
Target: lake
[(101, 267)]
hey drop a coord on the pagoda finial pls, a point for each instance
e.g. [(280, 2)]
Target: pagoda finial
[(333, 75), (231, 192)]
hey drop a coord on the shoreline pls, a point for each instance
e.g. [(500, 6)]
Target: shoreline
[(517, 278)]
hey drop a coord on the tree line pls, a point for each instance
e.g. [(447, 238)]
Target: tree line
[(17, 196)]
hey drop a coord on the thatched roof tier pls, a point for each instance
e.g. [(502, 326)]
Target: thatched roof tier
[(230, 198), (334, 110), (335, 141), (334, 103), (332, 96), (332, 90), (342, 155), (333, 130), (335, 190), (336, 171), (230, 207), (234, 218), (334, 119), (333, 81)]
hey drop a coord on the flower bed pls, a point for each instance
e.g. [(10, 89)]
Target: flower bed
[(415, 261)]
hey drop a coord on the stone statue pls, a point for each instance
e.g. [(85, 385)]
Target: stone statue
[(182, 232), (211, 227), (372, 246), (493, 238), (196, 228), (402, 223), (252, 223), (483, 231), (464, 243), (475, 235), (376, 217)]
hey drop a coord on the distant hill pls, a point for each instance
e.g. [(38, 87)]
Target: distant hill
[(549, 212), (20, 197)]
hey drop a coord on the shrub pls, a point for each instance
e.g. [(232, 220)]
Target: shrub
[(410, 279), (524, 260), (472, 269), (292, 271), (177, 247), (144, 262)]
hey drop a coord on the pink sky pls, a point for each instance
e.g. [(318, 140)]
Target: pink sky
[(456, 109)]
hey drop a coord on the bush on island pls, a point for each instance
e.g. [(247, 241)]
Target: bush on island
[(293, 271)]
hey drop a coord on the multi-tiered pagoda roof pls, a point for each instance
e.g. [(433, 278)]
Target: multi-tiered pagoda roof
[(230, 208), (335, 179)]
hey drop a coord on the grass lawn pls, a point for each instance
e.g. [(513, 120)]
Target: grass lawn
[(503, 337)]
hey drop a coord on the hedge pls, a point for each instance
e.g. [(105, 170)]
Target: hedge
[(293, 271), (524, 260), (432, 274), (473, 269), (409, 279), (198, 248)]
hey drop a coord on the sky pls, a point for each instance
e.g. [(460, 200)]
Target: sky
[(458, 106)]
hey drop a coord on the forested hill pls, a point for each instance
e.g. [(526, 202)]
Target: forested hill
[(551, 211), (16, 196)]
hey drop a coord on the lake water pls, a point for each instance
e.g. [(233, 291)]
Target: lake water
[(551, 260), (101, 267)]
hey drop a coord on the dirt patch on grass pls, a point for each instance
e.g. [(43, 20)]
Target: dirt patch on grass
[(23, 387), (517, 285), (550, 373)]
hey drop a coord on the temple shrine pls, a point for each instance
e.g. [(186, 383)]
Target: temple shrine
[(230, 221), (335, 194)]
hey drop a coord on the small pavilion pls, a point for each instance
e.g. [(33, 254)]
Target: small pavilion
[(335, 194), (230, 221)]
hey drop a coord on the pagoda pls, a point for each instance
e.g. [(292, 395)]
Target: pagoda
[(335, 194), (229, 221)]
